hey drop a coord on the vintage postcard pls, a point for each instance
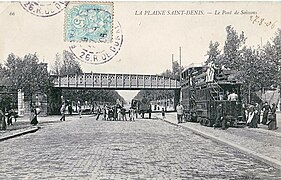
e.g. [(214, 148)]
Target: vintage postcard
[(140, 90)]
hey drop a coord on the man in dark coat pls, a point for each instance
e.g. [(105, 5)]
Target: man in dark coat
[(99, 112), (220, 121), (265, 109)]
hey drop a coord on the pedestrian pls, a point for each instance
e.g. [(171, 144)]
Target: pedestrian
[(110, 114), (252, 117), (256, 118), (220, 121), (132, 114), (104, 113), (62, 111), (69, 109), (9, 116), (265, 109), (149, 111), (258, 112), (99, 112), (79, 109), (115, 114), (34, 114), (123, 114), (163, 113), (179, 109), (272, 124), (119, 114)]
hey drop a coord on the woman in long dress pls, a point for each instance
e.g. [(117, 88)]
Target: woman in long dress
[(251, 116), (272, 125), (34, 114)]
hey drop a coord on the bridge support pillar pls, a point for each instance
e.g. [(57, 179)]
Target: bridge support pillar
[(54, 101), (176, 98)]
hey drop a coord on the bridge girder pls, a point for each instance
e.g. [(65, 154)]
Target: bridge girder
[(115, 82)]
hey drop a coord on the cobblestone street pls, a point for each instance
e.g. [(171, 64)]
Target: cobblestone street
[(146, 149)]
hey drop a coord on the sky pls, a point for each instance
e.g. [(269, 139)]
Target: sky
[(148, 40)]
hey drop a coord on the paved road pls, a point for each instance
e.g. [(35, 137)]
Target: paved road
[(145, 149)]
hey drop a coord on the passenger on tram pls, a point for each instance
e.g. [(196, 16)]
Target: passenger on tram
[(232, 97)]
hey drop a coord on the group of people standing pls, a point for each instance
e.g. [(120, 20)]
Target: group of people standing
[(253, 114), (115, 113), (9, 114)]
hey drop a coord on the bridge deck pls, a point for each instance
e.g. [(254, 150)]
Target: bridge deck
[(115, 81)]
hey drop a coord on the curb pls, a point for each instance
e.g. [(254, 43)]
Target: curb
[(270, 161), (32, 130)]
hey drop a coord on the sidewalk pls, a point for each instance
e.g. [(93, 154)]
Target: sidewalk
[(23, 126), (261, 143)]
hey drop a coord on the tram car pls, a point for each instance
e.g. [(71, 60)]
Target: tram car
[(204, 88)]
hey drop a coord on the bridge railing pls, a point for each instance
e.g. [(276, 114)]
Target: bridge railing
[(115, 81)]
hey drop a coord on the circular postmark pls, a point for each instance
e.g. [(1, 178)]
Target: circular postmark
[(44, 9), (99, 53)]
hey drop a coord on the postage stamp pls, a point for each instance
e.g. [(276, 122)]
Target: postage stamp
[(99, 53), (44, 9), (89, 22)]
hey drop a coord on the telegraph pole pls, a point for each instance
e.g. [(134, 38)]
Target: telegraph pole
[(180, 94), (172, 60), (180, 66)]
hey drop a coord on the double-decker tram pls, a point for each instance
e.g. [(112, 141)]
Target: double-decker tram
[(210, 95)]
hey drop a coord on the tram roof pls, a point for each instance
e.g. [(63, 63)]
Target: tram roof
[(193, 65)]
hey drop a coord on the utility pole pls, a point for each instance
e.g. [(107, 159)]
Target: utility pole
[(180, 75), (172, 60), (180, 66)]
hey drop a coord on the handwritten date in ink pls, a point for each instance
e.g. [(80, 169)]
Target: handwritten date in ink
[(262, 21)]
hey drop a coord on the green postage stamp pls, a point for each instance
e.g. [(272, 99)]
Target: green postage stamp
[(89, 22)]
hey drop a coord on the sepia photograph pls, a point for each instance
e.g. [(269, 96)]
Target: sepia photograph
[(109, 90)]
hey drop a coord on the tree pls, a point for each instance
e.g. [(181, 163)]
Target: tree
[(277, 55), (214, 54), (27, 74), (232, 49), (256, 68), (65, 64)]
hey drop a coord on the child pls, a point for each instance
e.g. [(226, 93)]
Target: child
[(163, 113)]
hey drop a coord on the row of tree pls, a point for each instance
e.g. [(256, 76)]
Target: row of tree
[(257, 68), (32, 77)]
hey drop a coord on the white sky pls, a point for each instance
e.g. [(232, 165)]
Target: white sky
[(149, 41)]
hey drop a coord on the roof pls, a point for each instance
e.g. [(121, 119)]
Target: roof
[(194, 65)]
